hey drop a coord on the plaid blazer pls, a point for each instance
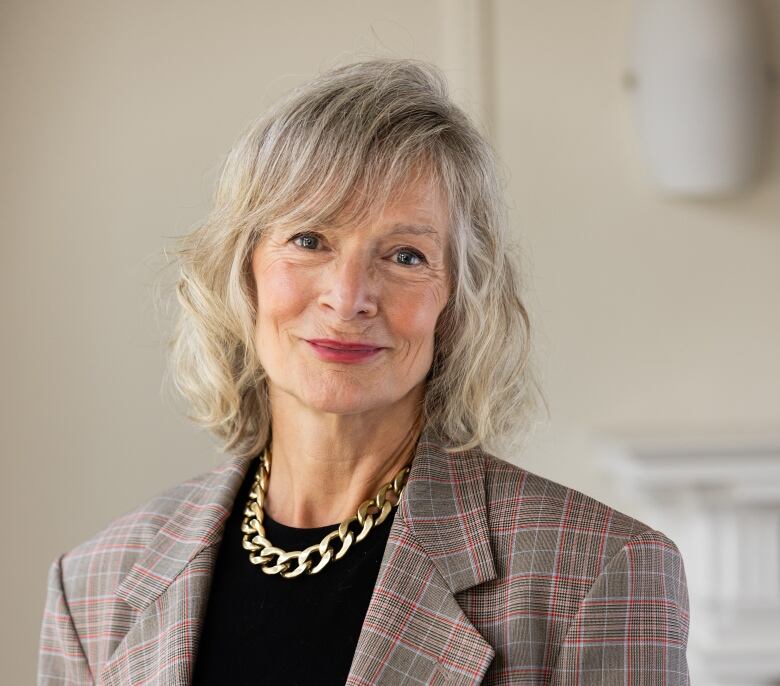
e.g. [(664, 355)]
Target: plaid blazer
[(491, 574)]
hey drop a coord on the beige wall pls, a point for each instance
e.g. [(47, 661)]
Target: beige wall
[(650, 313), (654, 315)]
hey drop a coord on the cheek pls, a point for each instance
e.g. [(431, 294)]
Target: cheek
[(414, 319), (283, 294)]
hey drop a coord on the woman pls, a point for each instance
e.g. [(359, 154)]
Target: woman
[(351, 330)]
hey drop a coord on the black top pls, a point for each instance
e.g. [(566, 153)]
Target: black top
[(263, 628)]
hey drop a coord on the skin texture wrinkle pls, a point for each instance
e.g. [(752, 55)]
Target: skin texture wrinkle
[(341, 430)]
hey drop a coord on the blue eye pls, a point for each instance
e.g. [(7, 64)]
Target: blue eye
[(414, 254), (308, 236)]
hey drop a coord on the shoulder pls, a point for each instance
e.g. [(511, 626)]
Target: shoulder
[(188, 509), (130, 531), (554, 542), (577, 583), (565, 529), (549, 503)]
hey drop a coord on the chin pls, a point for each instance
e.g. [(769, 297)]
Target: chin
[(341, 405)]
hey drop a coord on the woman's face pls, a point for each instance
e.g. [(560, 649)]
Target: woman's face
[(380, 284)]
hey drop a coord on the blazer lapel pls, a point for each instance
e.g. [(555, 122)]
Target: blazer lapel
[(168, 585), (415, 631)]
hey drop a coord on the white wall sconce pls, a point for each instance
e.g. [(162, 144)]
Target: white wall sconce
[(701, 81)]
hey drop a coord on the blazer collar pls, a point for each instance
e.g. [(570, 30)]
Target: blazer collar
[(443, 505), (438, 546), (415, 629)]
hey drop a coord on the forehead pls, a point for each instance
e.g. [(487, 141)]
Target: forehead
[(418, 209)]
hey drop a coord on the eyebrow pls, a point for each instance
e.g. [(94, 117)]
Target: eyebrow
[(417, 230)]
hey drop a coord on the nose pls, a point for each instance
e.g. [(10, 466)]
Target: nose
[(349, 287)]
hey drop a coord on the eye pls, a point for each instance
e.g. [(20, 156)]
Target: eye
[(308, 239), (413, 254)]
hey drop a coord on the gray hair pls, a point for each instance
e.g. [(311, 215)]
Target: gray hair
[(337, 148)]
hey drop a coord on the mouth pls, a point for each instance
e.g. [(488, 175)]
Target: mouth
[(343, 345), (329, 353)]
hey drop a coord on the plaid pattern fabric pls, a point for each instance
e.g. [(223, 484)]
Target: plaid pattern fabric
[(491, 575)]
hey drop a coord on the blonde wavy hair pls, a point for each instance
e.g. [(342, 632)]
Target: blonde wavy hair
[(336, 149)]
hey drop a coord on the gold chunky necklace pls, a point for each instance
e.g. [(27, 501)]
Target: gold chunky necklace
[(273, 560)]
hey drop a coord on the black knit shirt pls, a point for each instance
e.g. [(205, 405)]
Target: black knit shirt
[(265, 629)]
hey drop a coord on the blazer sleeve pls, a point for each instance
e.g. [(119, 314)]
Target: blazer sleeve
[(632, 626), (61, 657)]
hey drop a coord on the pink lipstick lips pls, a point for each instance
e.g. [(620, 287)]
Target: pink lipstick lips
[(342, 351)]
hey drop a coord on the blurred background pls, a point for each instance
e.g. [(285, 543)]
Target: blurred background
[(652, 270)]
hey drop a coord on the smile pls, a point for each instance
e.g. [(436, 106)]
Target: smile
[(342, 354)]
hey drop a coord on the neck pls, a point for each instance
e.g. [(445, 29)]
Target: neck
[(323, 466)]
